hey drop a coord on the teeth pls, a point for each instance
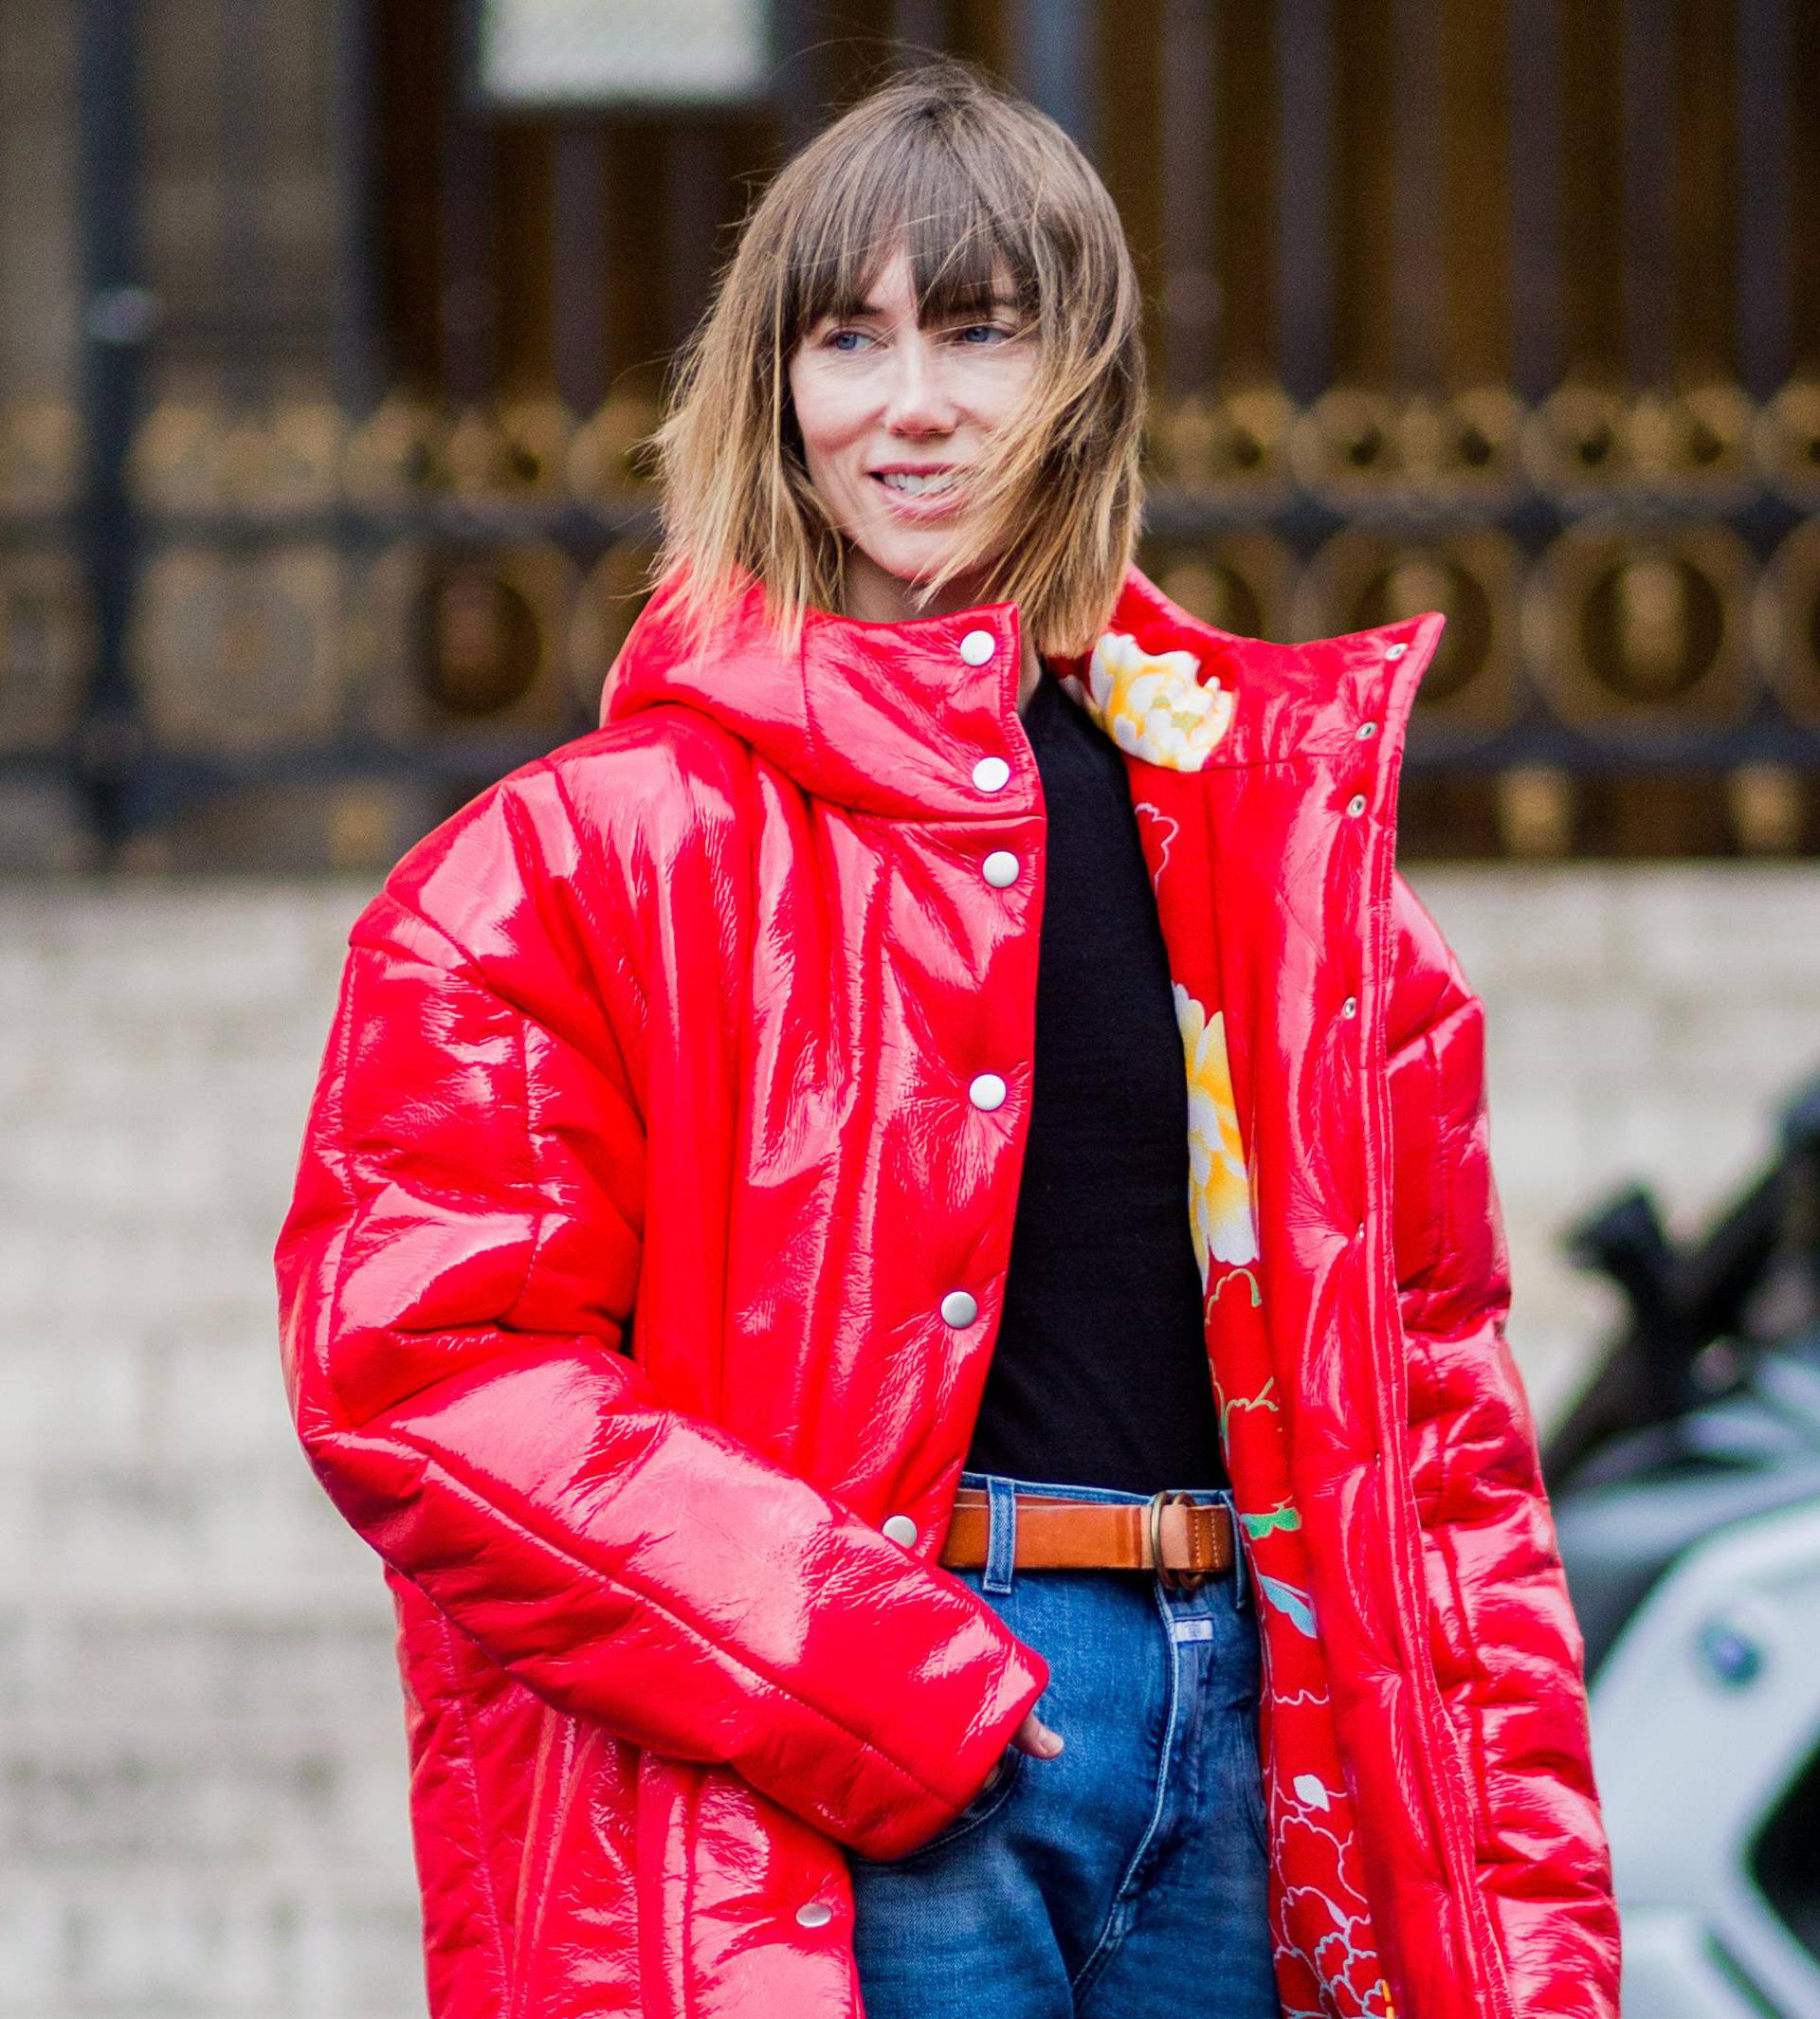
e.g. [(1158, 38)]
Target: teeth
[(914, 486)]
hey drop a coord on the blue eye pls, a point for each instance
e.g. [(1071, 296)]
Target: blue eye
[(965, 333)]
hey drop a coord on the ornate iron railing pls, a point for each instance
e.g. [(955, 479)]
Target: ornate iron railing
[(1412, 351)]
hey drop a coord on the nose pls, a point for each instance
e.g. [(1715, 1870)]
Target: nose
[(917, 399)]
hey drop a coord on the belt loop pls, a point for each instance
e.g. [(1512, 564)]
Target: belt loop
[(1240, 1588), (1001, 1535)]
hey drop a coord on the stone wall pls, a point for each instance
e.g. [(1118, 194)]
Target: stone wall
[(1643, 1022), (202, 1748), (201, 1751)]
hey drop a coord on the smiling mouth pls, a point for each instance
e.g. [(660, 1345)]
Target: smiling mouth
[(905, 483)]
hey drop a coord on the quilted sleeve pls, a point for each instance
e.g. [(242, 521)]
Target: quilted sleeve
[(1507, 1645), (456, 1274)]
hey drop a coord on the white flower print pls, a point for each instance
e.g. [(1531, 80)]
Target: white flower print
[(1219, 1190), (1156, 707)]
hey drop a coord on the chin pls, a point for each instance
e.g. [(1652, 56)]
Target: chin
[(911, 564)]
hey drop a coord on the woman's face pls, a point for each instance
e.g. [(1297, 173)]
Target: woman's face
[(893, 419)]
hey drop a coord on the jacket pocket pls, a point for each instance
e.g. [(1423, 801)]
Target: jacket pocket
[(995, 1792)]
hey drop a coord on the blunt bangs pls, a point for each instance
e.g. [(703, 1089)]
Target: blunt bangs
[(957, 245)]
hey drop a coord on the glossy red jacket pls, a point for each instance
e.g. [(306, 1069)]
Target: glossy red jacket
[(641, 1160)]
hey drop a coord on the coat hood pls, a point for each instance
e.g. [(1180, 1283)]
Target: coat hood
[(892, 719)]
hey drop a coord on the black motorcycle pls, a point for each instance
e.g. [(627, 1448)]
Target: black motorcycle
[(1685, 1483)]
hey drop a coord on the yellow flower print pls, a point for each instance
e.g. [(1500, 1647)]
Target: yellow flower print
[(1158, 708), (1219, 1190)]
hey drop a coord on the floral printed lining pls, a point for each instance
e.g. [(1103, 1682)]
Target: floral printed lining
[(1156, 708), (1219, 1193), (1161, 709)]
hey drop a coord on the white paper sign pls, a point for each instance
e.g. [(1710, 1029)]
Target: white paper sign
[(595, 52)]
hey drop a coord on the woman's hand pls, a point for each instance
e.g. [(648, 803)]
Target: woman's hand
[(1033, 1735)]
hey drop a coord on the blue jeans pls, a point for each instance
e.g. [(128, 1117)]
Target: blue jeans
[(1126, 1878)]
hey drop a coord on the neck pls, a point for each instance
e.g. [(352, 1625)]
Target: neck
[(873, 596)]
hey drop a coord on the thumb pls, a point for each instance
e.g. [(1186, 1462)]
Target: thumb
[(1033, 1735)]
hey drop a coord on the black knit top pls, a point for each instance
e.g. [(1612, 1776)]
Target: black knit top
[(1099, 1374)]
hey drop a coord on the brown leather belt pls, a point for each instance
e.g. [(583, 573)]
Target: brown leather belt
[(1186, 1540)]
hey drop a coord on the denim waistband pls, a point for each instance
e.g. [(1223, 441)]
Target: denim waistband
[(1001, 1537)]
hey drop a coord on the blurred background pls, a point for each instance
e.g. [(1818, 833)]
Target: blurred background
[(329, 330)]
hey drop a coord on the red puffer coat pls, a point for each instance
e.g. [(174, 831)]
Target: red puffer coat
[(646, 1151)]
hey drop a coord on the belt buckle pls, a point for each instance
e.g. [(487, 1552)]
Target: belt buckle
[(1174, 1581)]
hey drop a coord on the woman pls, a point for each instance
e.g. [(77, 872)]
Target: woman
[(895, 1250)]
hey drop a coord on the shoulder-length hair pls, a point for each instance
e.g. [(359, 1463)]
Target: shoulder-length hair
[(974, 184)]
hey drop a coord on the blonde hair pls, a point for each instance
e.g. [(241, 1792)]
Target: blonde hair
[(970, 181)]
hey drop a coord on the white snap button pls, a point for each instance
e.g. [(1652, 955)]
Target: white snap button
[(999, 868), (977, 647), (1356, 803), (901, 1528), (1358, 1233), (988, 1091), (1395, 651), (1350, 1007), (959, 1308), (814, 1913), (992, 773), (1367, 731)]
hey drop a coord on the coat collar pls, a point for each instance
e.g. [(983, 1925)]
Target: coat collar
[(893, 719)]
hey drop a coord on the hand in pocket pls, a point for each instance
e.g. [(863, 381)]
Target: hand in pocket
[(1033, 1735)]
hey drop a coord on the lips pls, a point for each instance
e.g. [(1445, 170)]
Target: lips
[(935, 503), (926, 482)]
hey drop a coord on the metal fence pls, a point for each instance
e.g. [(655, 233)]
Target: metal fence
[(1506, 307)]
